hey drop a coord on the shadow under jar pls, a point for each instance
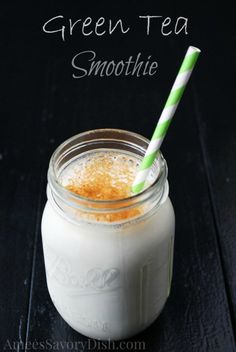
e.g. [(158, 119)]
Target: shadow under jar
[(108, 275)]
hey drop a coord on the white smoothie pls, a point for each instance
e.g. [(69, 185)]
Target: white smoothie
[(108, 272)]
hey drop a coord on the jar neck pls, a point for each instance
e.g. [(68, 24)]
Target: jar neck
[(76, 207)]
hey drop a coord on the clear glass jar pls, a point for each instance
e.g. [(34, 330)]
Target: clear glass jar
[(107, 279)]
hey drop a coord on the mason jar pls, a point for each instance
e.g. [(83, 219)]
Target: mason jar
[(109, 277)]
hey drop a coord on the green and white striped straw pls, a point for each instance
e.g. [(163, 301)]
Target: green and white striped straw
[(163, 124)]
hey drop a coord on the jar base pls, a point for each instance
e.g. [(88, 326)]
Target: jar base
[(111, 337)]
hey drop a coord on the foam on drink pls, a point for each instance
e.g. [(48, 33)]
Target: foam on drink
[(105, 176)]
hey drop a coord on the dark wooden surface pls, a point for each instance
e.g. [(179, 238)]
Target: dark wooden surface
[(41, 105)]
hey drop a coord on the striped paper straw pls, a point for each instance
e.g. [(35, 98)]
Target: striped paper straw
[(163, 124)]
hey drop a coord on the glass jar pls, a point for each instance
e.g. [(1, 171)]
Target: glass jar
[(108, 279)]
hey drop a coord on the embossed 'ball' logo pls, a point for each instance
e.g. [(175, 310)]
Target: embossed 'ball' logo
[(99, 278)]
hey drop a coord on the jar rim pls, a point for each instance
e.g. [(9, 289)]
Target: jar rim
[(63, 192)]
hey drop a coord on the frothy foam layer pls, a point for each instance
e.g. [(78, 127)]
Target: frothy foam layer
[(101, 175), (105, 176)]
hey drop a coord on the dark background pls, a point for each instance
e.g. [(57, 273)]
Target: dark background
[(41, 105)]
